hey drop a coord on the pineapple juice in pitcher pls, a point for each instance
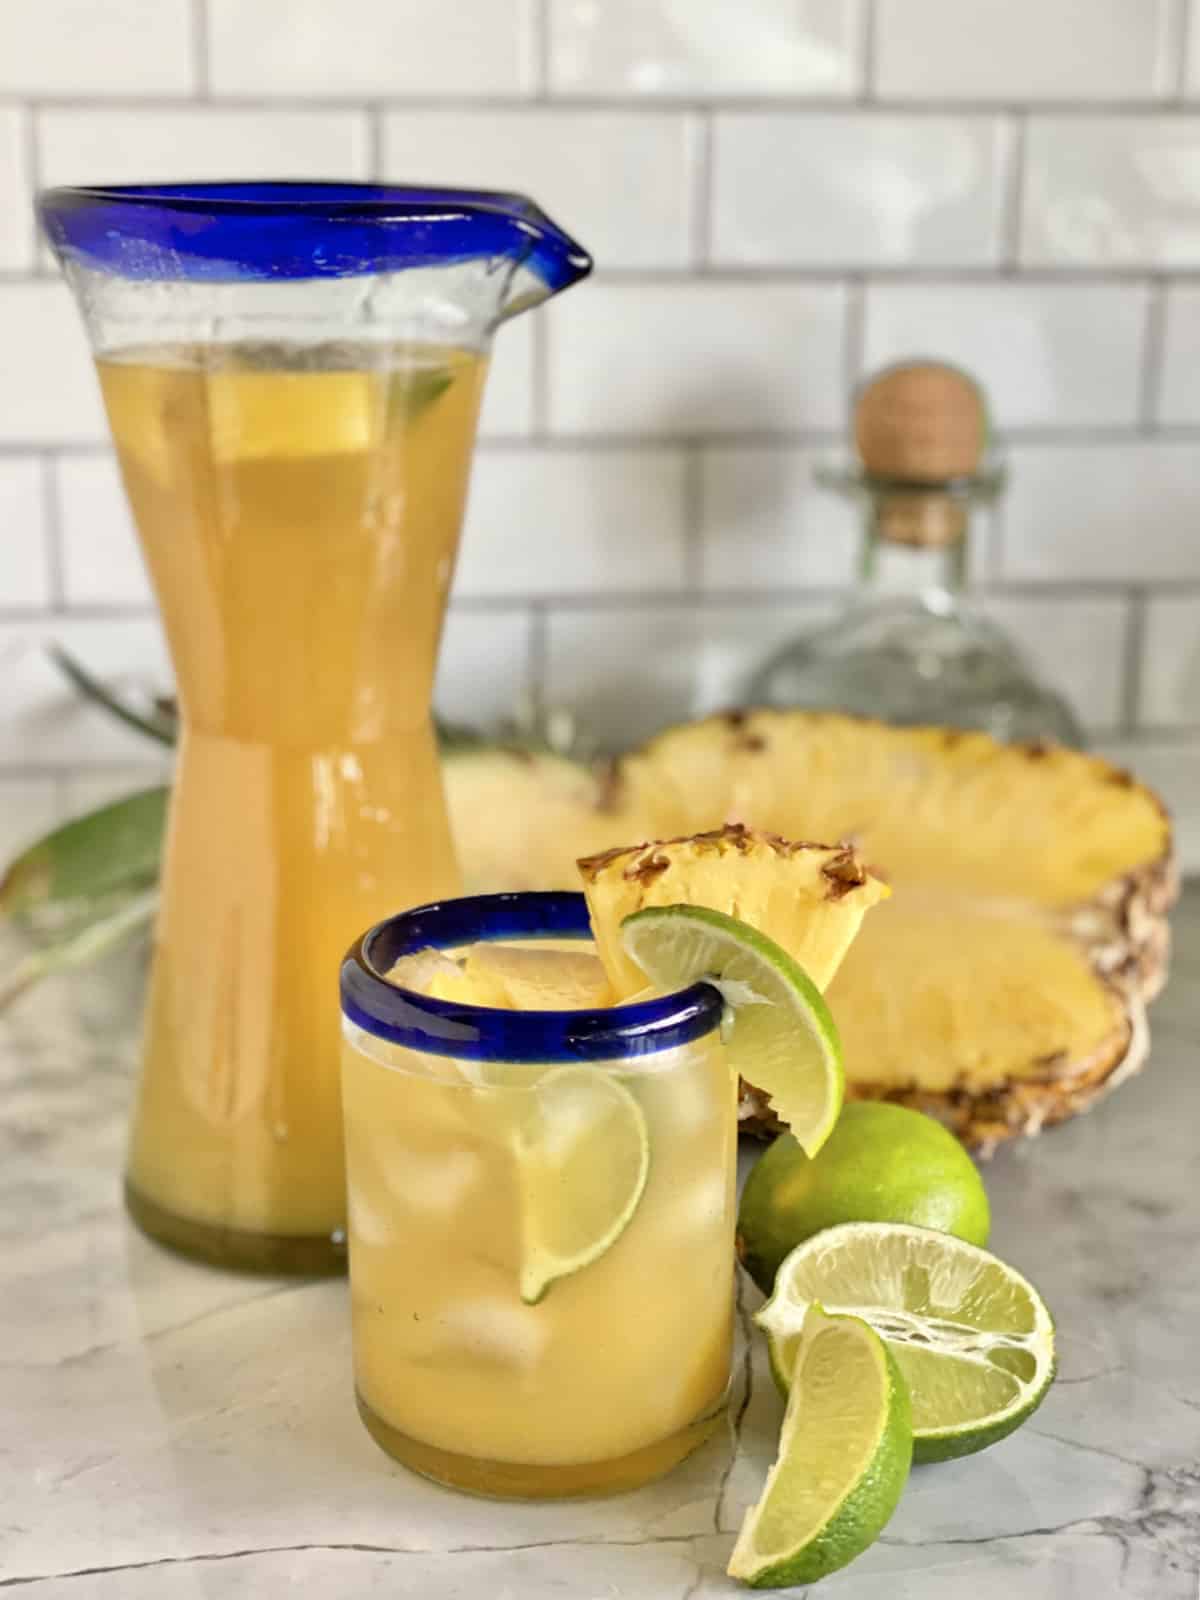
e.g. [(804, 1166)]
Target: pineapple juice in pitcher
[(299, 511), (292, 373)]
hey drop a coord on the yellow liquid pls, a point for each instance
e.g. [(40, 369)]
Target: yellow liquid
[(622, 1368), (299, 513)]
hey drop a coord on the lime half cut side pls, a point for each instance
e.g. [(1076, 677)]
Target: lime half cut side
[(972, 1337), (583, 1156), (844, 1456), (780, 1034)]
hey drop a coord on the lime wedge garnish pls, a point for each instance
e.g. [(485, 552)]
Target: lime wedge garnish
[(972, 1337), (583, 1154), (843, 1461), (780, 1035)]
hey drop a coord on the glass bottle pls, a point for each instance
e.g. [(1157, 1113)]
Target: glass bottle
[(910, 647)]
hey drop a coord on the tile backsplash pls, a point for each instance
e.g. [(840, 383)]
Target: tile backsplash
[(781, 195)]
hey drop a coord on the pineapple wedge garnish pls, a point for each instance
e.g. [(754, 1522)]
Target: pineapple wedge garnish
[(507, 977), (809, 898)]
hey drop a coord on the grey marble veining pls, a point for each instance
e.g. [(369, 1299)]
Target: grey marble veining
[(175, 1433)]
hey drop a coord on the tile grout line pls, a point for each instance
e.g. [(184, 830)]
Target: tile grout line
[(1185, 21), (374, 141), (867, 45), (539, 334), (1013, 201), (766, 104), (807, 274), (201, 62), (701, 187), (539, 21), (31, 165), (854, 344), (1131, 673), (693, 519), (1153, 356), (55, 554), (537, 655)]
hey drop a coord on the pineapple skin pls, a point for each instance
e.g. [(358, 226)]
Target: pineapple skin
[(824, 773)]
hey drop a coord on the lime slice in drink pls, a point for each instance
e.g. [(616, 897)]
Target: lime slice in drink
[(972, 1337), (583, 1155), (780, 1034), (843, 1459)]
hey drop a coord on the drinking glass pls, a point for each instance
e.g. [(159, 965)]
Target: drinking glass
[(481, 1143)]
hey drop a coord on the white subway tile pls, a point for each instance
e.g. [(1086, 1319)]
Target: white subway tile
[(857, 188), (765, 524), (618, 181), (573, 522), (43, 720), (24, 558), (483, 670), (1171, 767), (29, 807), (1170, 681), (371, 47), (96, 47), (1076, 646), (1112, 191), (153, 145), (49, 392), (625, 671), (702, 356), (1057, 353), (16, 201), (1025, 49), (102, 563), (1113, 511), (657, 47), (1179, 391), (508, 395)]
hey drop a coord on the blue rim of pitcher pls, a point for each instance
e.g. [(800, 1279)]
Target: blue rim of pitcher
[(480, 1033), (270, 230)]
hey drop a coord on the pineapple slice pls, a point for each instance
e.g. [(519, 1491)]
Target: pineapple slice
[(809, 898), (531, 979), (1003, 988), (507, 977)]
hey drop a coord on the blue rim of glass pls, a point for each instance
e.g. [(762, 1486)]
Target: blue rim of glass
[(272, 230), (480, 1033)]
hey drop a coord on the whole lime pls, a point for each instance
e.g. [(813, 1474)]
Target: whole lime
[(881, 1163)]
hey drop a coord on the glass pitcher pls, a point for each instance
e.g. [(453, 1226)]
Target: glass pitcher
[(292, 374)]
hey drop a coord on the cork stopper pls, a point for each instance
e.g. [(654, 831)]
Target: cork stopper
[(921, 427)]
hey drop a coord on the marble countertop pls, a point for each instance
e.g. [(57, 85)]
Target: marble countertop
[(171, 1431)]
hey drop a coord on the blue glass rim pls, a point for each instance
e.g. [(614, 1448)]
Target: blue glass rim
[(269, 230), (480, 1033)]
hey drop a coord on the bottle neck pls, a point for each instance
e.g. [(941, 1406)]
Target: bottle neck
[(890, 567)]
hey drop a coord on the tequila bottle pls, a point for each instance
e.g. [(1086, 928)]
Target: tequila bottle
[(910, 647)]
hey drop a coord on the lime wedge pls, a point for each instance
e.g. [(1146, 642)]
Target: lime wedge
[(779, 1032), (972, 1337), (844, 1456), (583, 1155)]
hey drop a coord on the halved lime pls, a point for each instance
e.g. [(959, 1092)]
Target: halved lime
[(972, 1337), (844, 1456), (583, 1155), (780, 1034)]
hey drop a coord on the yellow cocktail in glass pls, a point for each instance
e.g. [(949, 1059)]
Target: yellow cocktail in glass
[(541, 1219)]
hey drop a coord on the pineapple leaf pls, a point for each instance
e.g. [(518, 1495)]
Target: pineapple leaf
[(79, 866), (158, 722), (82, 944)]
